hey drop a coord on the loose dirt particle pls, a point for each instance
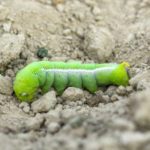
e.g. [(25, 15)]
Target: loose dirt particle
[(73, 94), (6, 85), (45, 103)]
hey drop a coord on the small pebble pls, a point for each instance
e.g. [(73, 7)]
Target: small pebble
[(60, 7), (129, 89), (59, 100), (66, 32), (6, 85), (141, 79), (143, 84), (10, 73), (23, 104), (93, 101), (35, 122), (11, 48), (7, 26), (52, 116), (42, 52), (53, 127), (114, 98), (73, 94), (111, 90), (121, 90), (98, 43), (45, 103), (76, 121), (66, 114), (26, 109), (140, 108), (96, 11), (80, 32), (106, 98), (80, 16)]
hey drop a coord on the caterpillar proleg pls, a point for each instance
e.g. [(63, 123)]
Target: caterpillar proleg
[(60, 75)]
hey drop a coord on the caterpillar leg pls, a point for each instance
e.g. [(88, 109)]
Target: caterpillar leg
[(60, 82), (46, 80), (89, 82), (75, 80)]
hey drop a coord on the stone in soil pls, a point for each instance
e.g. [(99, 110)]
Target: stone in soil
[(73, 94), (10, 47), (6, 85), (98, 43), (140, 108), (141, 80), (45, 103)]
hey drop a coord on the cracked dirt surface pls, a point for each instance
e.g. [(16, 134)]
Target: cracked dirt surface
[(114, 118)]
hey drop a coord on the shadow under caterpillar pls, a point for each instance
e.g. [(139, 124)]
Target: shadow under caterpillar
[(60, 75)]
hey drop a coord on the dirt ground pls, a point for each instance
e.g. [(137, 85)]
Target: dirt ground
[(114, 118)]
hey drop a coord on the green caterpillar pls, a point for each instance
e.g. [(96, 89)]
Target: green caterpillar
[(60, 75)]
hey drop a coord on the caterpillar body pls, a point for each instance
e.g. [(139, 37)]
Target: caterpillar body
[(60, 75)]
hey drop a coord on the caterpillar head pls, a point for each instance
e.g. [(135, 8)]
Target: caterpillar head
[(25, 86), (120, 75)]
